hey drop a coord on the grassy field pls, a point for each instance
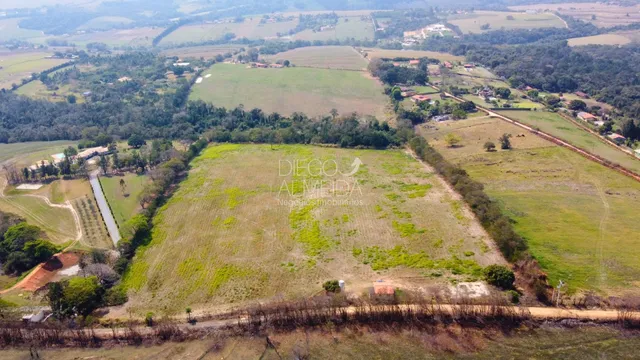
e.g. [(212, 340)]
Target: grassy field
[(9, 30), (58, 223), (37, 90), (142, 36), (123, 201), (606, 15), (373, 53), (27, 153), (105, 23), (603, 39), (16, 66), (250, 28), (312, 91), (577, 216), (471, 23), (241, 228), (347, 28), (325, 57), (206, 52), (554, 124)]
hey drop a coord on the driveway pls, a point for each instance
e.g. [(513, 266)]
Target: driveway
[(112, 227)]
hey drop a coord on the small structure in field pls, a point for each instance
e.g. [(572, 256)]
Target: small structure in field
[(420, 98), (582, 94), (124, 79), (617, 138), (469, 66), (585, 116), (91, 152), (259, 65), (382, 291), (29, 186), (414, 62), (448, 65)]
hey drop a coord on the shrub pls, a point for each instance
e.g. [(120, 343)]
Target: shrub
[(514, 296), (331, 286), (148, 319), (500, 276), (117, 295)]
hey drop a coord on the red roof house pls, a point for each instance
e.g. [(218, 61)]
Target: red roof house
[(420, 98), (414, 62), (448, 65)]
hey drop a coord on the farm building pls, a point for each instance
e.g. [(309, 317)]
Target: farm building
[(408, 93), (181, 64), (469, 66), (617, 138), (582, 94), (420, 98), (259, 65), (585, 116), (91, 152), (382, 291), (448, 65), (414, 62)]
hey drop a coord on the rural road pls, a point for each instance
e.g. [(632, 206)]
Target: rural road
[(112, 227), (537, 313)]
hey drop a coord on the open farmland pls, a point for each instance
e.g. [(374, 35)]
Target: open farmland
[(287, 90), (373, 53), (21, 4), (606, 15), (554, 124), (105, 23), (27, 153), (241, 227), (9, 30), (15, 66), (94, 231), (472, 22), (249, 28), (578, 217), (356, 27), (123, 199), (207, 52), (616, 38), (37, 90), (326, 57), (142, 36)]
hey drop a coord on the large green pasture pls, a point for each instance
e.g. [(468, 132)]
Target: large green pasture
[(123, 200), (472, 22), (556, 125), (324, 57), (287, 90), (15, 66), (347, 28), (249, 28), (578, 217), (245, 225)]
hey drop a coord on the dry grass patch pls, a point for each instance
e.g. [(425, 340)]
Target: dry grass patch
[(606, 15), (473, 22), (373, 53), (236, 230)]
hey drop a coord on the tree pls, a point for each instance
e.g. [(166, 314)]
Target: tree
[(396, 94), (452, 139), (77, 296), (533, 93), (577, 105), (70, 151), (334, 113), (104, 164), (188, 311), (500, 276), (505, 142), (485, 26), (503, 92), (458, 114), (71, 99), (332, 286), (123, 186), (489, 146), (286, 63), (136, 141), (467, 106), (552, 100)]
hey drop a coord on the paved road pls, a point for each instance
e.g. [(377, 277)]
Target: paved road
[(112, 227)]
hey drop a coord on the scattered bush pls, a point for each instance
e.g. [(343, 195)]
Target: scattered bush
[(500, 276), (332, 286)]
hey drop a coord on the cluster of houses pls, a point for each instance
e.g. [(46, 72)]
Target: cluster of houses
[(85, 154), (408, 92), (265, 66), (414, 37)]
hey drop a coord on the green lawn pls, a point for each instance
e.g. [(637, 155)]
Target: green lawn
[(554, 124), (472, 22), (123, 201), (249, 28), (312, 91), (27, 153)]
